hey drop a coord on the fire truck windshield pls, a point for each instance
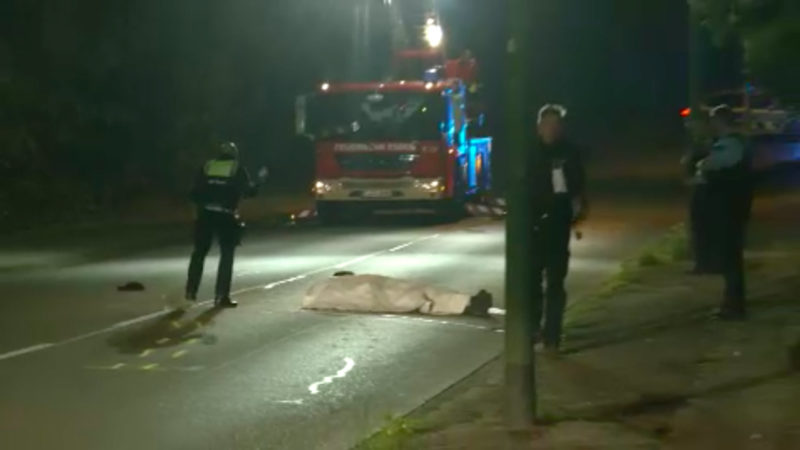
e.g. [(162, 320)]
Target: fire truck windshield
[(372, 116)]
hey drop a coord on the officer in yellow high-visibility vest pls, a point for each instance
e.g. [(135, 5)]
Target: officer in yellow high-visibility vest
[(219, 186)]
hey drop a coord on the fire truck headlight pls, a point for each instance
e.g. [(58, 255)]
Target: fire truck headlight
[(321, 187), (430, 185)]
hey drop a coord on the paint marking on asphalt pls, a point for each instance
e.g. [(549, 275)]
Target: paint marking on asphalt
[(106, 368), (179, 353), (290, 402), (348, 366), (145, 353), (341, 265), (400, 247), (135, 320), (163, 341), (146, 368), (175, 324), (399, 318), (25, 351)]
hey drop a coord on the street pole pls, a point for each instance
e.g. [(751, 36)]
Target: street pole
[(520, 373)]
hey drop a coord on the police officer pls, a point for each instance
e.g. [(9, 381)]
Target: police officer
[(728, 171), (557, 179), (703, 237), (219, 186)]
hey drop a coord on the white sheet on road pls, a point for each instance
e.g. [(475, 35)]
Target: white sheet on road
[(379, 294)]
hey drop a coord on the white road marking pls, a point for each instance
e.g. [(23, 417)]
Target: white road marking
[(25, 351), (348, 366), (400, 247), (146, 317), (436, 321)]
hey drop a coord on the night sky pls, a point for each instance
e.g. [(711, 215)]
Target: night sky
[(620, 58), (620, 66), (188, 72)]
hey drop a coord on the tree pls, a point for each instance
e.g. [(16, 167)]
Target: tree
[(770, 33)]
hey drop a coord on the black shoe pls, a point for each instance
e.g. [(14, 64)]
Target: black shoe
[(225, 302), (479, 304), (190, 296)]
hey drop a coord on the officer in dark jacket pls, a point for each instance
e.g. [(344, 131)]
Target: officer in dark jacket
[(219, 186), (703, 237), (728, 171), (558, 197)]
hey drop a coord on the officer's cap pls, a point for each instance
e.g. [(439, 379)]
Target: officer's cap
[(551, 109)]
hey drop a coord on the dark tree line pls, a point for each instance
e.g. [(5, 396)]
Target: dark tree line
[(769, 32), (105, 100)]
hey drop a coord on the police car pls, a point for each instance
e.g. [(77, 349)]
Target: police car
[(756, 110)]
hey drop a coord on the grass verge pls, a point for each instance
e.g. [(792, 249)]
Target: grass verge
[(670, 248), (396, 434)]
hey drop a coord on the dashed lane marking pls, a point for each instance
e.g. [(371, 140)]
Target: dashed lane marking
[(126, 323), (25, 351), (122, 367), (399, 318)]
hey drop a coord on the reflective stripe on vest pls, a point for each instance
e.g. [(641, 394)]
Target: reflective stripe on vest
[(221, 168)]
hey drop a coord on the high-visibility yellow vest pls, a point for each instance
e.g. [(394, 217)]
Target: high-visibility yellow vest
[(221, 168)]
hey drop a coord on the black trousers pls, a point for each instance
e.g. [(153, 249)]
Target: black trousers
[(226, 229), (550, 266), (731, 225), (703, 235)]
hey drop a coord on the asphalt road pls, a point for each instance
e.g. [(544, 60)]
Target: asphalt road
[(83, 366)]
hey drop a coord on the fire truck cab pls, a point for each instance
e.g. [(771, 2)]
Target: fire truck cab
[(398, 145)]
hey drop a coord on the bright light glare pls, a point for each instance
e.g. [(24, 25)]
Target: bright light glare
[(429, 85), (325, 86), (434, 34)]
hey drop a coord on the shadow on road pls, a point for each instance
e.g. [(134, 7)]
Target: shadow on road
[(170, 330)]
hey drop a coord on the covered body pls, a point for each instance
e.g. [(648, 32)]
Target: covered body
[(380, 294)]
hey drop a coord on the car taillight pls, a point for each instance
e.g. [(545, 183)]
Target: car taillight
[(685, 112)]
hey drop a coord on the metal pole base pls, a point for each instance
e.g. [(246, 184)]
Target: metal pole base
[(520, 397)]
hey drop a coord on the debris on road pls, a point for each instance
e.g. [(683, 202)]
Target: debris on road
[(131, 286)]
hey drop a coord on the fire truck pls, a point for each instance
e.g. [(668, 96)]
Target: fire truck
[(399, 144)]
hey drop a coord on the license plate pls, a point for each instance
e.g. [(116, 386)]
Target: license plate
[(377, 193)]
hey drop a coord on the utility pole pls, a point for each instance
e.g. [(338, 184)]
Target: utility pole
[(520, 373)]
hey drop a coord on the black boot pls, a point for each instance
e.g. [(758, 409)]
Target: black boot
[(225, 302)]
